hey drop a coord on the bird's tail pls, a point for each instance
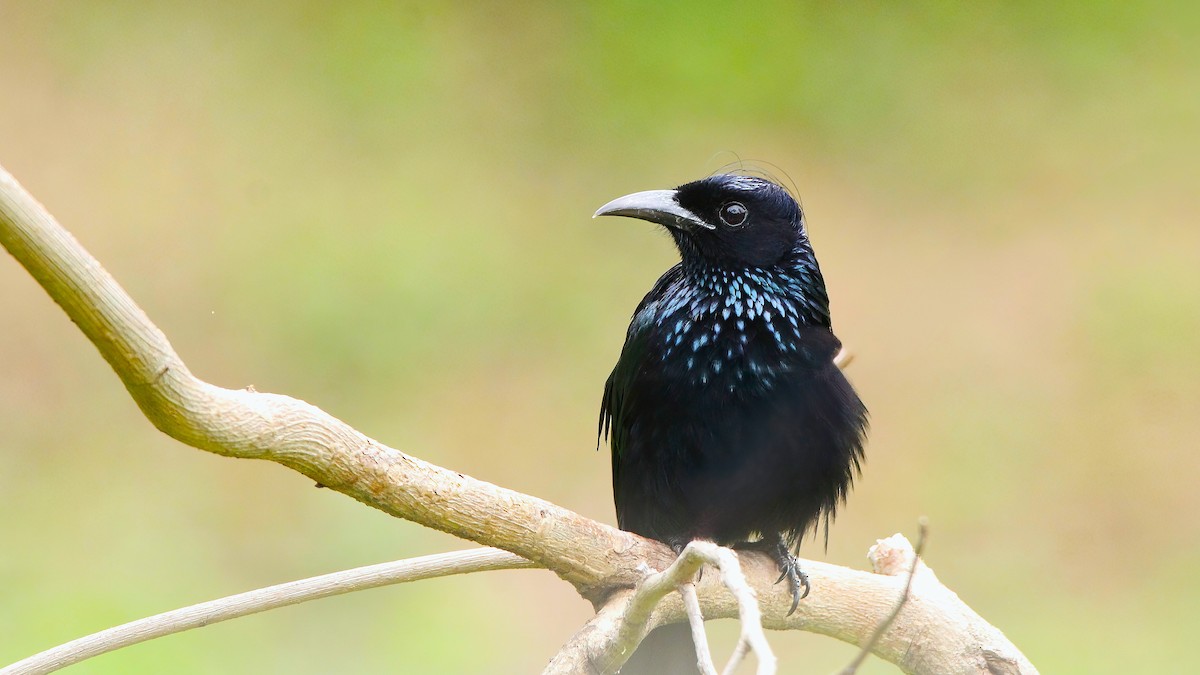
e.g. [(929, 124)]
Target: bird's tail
[(667, 650)]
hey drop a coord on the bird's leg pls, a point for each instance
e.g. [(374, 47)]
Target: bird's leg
[(677, 546), (789, 566)]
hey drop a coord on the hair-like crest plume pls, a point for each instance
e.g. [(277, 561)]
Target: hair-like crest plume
[(760, 169)]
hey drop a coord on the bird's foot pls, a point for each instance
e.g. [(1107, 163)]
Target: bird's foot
[(789, 567), (677, 547)]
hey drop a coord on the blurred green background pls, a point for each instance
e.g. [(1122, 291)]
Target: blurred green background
[(385, 210)]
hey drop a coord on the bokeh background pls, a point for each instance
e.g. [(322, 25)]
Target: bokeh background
[(384, 209)]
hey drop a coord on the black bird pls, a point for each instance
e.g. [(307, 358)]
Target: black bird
[(727, 417)]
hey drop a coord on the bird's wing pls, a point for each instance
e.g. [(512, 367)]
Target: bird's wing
[(817, 421), (612, 426)]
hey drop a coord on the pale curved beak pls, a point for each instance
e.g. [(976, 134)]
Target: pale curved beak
[(656, 206)]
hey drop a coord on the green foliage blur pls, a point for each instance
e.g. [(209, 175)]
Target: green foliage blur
[(384, 209)]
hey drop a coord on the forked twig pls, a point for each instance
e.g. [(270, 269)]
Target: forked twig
[(635, 621)]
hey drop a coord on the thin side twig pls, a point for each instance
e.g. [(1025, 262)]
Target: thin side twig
[(843, 358), (735, 659), (263, 599), (695, 616), (749, 613), (852, 667)]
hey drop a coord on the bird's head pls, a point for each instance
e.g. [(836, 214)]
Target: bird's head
[(726, 219)]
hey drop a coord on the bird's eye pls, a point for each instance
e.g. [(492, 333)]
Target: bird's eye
[(733, 214)]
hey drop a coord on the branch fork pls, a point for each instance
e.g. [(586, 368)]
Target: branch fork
[(636, 621)]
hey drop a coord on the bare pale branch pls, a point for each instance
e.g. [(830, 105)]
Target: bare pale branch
[(263, 599), (934, 633)]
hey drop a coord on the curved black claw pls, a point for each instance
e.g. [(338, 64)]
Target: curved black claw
[(796, 578), (789, 568)]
